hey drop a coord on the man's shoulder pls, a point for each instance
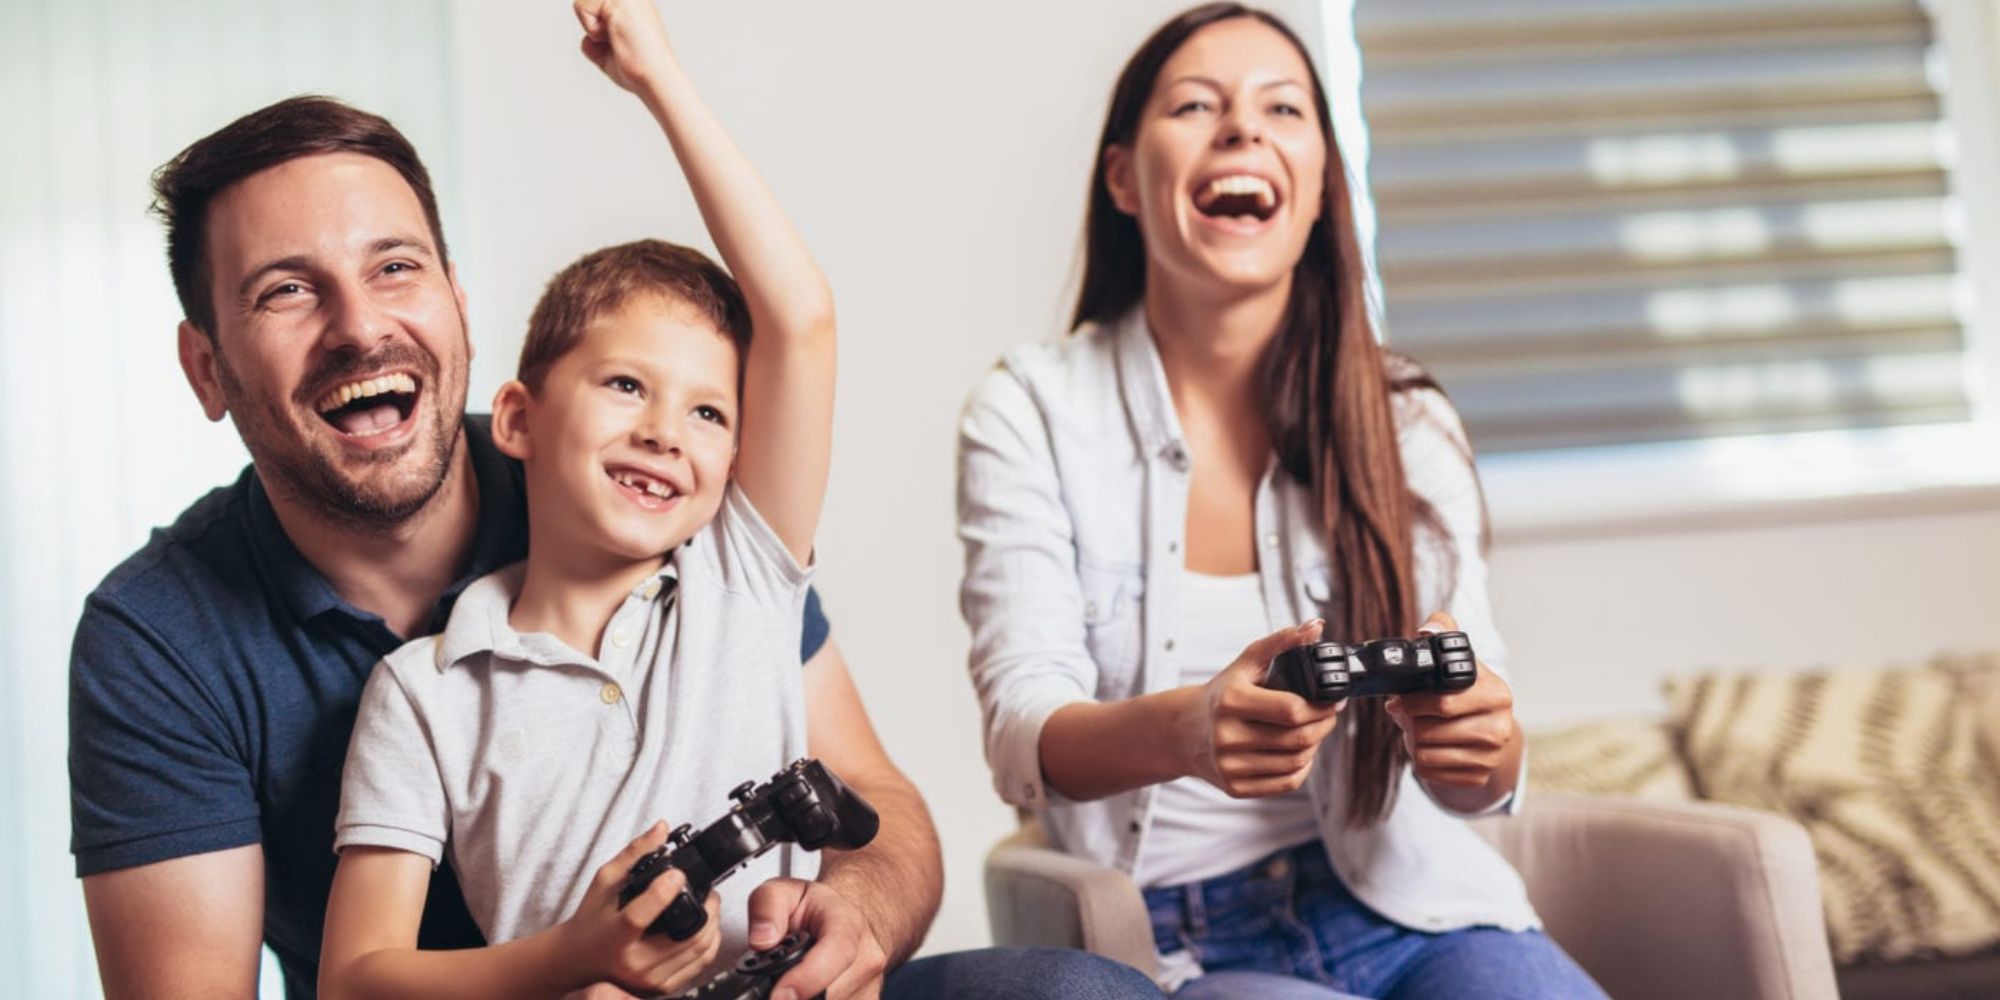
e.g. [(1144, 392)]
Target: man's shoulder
[(194, 562)]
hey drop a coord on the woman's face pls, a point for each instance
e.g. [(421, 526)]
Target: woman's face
[(1227, 169)]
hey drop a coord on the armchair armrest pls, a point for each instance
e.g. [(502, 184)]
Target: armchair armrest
[(1674, 899), (1037, 896)]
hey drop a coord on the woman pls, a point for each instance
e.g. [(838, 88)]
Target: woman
[(1221, 446)]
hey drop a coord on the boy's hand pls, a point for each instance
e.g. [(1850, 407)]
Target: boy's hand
[(611, 944), (626, 40), (845, 960)]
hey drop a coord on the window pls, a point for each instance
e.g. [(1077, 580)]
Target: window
[(1653, 246)]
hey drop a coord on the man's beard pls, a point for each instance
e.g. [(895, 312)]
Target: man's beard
[(300, 469)]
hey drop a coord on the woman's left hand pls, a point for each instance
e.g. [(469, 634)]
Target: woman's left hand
[(1464, 745)]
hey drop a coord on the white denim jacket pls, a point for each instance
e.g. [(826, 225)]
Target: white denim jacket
[(1072, 504)]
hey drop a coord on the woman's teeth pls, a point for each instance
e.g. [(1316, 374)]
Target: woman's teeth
[(1237, 194)]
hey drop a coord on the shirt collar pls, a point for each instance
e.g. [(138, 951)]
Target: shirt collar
[(478, 627), (1142, 380)]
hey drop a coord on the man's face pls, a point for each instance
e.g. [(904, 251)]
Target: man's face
[(340, 345)]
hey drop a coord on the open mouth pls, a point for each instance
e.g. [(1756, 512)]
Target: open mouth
[(643, 488), (1246, 197), (371, 405)]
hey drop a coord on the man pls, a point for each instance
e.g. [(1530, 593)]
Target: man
[(215, 673)]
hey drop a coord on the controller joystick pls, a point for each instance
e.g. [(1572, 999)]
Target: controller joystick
[(804, 804)]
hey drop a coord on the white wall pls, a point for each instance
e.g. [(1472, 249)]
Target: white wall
[(1596, 622)]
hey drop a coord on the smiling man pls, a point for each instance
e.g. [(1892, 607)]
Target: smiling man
[(215, 673)]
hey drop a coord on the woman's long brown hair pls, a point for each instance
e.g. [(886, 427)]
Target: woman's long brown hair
[(1327, 393)]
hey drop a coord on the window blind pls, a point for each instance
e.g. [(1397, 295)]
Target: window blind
[(1617, 221)]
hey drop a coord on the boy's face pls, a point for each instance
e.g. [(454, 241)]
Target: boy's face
[(633, 434)]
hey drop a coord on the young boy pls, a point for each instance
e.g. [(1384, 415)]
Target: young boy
[(643, 660)]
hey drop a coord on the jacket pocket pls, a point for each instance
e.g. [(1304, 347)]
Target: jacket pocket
[(1112, 602)]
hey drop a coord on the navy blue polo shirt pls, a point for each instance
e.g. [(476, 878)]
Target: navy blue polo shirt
[(213, 685)]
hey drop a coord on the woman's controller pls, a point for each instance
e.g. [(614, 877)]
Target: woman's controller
[(1327, 672)]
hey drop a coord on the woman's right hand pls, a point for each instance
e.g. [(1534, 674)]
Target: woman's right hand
[(607, 943), (1249, 740)]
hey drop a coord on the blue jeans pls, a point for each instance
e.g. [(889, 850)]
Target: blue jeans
[(1286, 928), (1018, 974)]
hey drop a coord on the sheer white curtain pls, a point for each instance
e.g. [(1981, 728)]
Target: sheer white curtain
[(100, 439)]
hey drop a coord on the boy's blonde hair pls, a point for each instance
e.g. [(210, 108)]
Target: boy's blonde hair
[(602, 281)]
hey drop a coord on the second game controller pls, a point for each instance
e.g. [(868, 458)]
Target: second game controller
[(755, 974)]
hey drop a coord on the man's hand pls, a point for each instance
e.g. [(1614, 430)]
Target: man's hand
[(609, 943), (1464, 745), (626, 40), (1249, 740), (845, 960)]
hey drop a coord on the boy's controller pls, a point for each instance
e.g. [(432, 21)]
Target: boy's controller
[(803, 804), (755, 974), (1327, 672)]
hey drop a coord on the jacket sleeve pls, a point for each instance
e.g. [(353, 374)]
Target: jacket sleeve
[(1451, 568), (1020, 595)]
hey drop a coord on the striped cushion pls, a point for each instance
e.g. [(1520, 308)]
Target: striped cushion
[(1634, 758), (1893, 774)]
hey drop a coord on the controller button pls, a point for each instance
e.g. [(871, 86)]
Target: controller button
[(1452, 640), (793, 794)]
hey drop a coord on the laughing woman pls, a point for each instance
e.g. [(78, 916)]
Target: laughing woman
[(1219, 447)]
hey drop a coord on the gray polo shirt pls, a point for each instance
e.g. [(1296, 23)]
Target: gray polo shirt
[(533, 764)]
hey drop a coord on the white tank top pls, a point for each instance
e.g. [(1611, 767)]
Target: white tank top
[(1199, 831)]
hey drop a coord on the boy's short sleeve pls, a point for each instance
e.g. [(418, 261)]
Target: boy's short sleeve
[(748, 557), (155, 770), (391, 793)]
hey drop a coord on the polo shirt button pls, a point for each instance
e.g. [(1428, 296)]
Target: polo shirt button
[(1271, 540), (651, 589), (610, 694), (621, 638)]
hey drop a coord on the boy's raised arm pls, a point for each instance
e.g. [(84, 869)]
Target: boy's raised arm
[(785, 429)]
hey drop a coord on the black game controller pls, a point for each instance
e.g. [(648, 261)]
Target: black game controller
[(802, 804), (754, 975), (1326, 672)]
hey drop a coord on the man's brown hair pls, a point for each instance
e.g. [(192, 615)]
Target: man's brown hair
[(601, 282), (307, 125)]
